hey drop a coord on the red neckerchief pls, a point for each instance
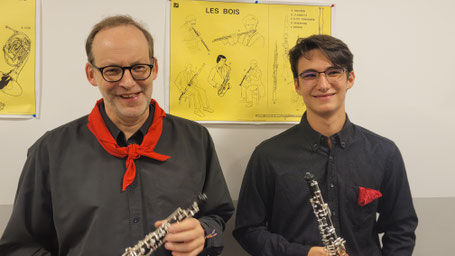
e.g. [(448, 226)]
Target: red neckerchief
[(97, 126)]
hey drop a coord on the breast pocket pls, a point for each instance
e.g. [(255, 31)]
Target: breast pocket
[(360, 216)]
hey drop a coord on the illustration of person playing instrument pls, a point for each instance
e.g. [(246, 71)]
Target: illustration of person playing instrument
[(249, 36), (187, 83), (252, 87), (219, 75)]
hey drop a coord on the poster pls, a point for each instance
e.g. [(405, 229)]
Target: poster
[(229, 61), (17, 58)]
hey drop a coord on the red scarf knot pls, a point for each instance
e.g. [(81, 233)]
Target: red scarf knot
[(133, 151), (97, 126)]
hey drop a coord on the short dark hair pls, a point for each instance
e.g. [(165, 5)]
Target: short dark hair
[(220, 57), (334, 49), (116, 21)]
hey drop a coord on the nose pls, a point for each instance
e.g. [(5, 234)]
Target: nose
[(127, 80), (323, 84)]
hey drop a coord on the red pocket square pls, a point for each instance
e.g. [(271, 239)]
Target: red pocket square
[(367, 195)]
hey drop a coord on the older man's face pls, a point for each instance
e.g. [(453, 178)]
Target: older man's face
[(127, 100)]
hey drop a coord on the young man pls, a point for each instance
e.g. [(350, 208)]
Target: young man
[(360, 173), (99, 184)]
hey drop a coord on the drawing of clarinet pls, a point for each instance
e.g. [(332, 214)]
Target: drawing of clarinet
[(333, 244), (155, 239), (200, 38), (245, 76)]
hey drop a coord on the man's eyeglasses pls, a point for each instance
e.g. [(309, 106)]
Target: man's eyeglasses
[(115, 73), (332, 75)]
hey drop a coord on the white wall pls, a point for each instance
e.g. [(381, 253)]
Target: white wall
[(403, 58)]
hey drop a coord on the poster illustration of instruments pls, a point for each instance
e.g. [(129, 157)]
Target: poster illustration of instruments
[(229, 61), (17, 58)]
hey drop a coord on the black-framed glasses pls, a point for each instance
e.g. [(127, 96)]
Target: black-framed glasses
[(115, 73), (332, 75)]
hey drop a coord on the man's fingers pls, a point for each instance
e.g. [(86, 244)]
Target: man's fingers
[(187, 224), (194, 246), (158, 223), (185, 236)]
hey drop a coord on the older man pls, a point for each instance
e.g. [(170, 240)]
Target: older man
[(99, 184)]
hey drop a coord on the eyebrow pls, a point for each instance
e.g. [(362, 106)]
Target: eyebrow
[(314, 70)]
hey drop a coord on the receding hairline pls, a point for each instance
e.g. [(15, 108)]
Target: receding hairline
[(113, 22), (111, 37)]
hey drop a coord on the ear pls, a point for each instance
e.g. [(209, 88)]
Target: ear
[(90, 73), (155, 69), (351, 80), (297, 86)]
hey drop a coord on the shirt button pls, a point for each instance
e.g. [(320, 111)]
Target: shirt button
[(136, 219), (333, 213), (330, 158), (332, 185)]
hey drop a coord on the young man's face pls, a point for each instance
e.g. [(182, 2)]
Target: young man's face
[(322, 98), (126, 100)]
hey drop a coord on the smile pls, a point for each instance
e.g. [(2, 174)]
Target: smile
[(325, 96), (129, 96)]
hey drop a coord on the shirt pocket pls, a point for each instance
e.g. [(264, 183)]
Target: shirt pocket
[(360, 216)]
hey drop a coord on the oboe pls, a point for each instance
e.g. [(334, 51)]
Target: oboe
[(333, 244), (155, 239)]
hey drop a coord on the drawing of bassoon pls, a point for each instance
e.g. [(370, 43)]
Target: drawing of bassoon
[(191, 82)]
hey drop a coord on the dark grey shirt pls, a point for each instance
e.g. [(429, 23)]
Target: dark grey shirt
[(119, 136), (70, 201), (275, 217)]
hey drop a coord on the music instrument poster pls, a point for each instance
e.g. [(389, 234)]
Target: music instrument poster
[(17, 58), (229, 61)]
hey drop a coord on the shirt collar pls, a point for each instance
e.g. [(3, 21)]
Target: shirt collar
[(119, 136), (313, 139)]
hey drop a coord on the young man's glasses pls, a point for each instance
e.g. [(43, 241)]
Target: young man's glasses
[(332, 75), (115, 73)]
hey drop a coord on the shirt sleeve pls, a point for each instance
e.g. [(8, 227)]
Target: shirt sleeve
[(253, 209), (219, 207), (397, 219), (30, 230)]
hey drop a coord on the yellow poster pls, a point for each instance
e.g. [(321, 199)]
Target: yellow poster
[(17, 57), (229, 61)]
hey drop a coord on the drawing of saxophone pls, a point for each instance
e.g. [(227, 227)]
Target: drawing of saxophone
[(225, 86), (155, 239), (333, 244)]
